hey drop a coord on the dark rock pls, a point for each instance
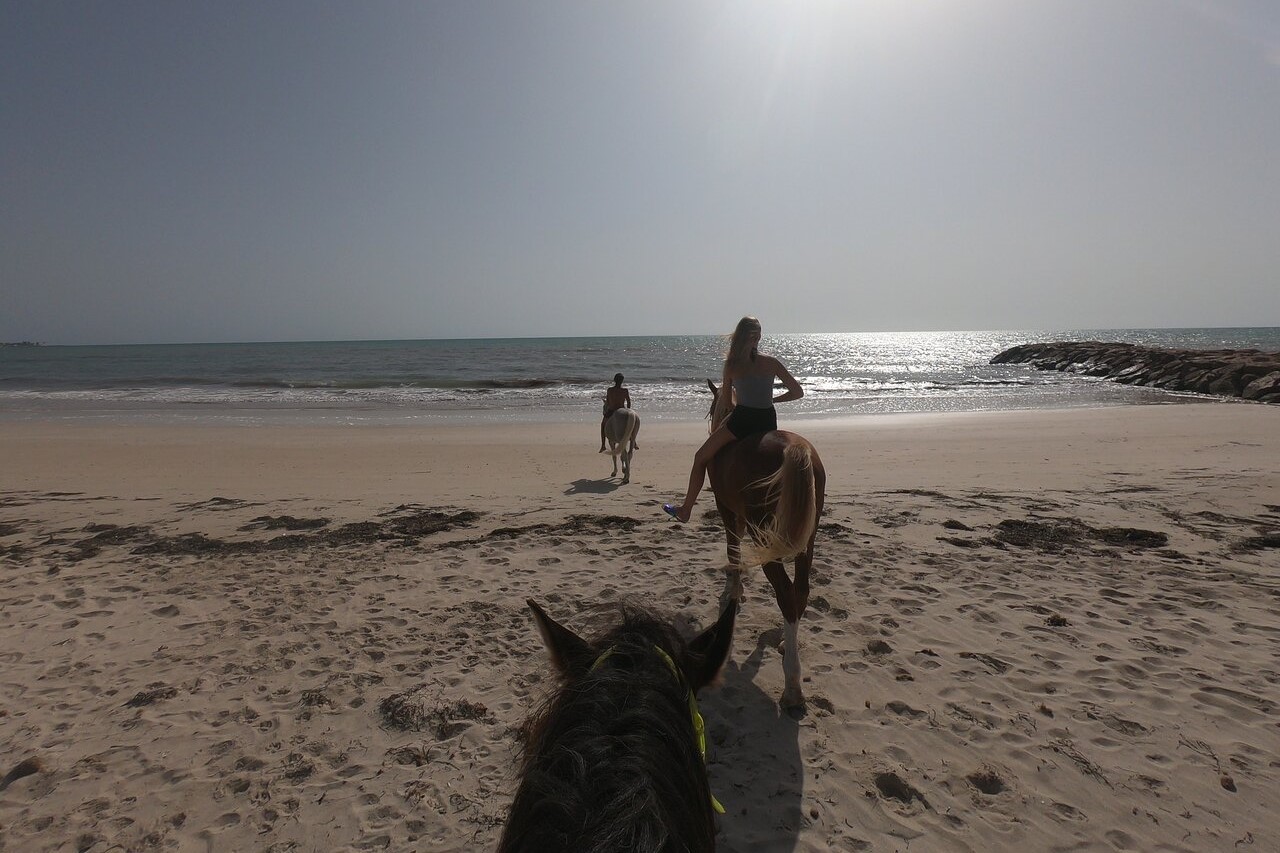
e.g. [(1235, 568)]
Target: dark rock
[(1225, 385), (1248, 373), (1261, 386)]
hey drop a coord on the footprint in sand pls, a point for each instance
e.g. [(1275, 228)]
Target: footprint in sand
[(221, 748), (986, 780), (902, 709), (1062, 812), (1239, 704), (992, 662), (1122, 840), (927, 659), (237, 785)]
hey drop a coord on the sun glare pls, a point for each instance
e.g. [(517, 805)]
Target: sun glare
[(781, 65)]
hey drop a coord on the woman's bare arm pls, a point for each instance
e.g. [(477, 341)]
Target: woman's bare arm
[(794, 391)]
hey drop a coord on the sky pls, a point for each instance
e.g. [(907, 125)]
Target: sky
[(247, 171)]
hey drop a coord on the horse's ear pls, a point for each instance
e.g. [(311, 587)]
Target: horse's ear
[(709, 650), (569, 653)]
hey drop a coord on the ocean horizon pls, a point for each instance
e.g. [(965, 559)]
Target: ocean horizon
[(558, 378)]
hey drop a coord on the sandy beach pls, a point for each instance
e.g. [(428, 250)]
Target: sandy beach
[(1029, 631)]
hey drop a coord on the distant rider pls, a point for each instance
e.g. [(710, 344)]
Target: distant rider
[(614, 398)]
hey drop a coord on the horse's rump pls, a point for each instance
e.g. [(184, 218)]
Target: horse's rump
[(769, 479), (620, 429)]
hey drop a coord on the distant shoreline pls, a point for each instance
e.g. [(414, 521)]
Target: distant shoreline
[(560, 380)]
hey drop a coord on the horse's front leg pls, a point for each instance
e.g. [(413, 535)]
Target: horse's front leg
[(734, 527), (785, 591)]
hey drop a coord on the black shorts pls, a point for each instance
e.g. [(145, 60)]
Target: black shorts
[(745, 421)]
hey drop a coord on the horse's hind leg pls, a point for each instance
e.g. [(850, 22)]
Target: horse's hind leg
[(785, 591), (613, 447), (804, 561)]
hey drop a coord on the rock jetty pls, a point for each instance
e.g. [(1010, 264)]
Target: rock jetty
[(1247, 373)]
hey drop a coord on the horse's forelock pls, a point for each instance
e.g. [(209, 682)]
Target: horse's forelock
[(612, 756)]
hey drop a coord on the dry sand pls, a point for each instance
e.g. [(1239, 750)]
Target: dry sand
[(201, 625)]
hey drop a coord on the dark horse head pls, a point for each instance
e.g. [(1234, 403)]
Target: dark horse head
[(614, 760)]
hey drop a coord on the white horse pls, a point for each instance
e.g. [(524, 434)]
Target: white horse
[(620, 431)]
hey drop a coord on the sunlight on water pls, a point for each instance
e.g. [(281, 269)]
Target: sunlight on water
[(558, 378)]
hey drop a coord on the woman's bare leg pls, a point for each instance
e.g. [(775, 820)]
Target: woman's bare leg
[(701, 459)]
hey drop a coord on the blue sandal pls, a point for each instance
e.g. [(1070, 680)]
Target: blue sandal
[(673, 511)]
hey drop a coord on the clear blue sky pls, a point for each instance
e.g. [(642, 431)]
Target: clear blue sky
[(225, 171)]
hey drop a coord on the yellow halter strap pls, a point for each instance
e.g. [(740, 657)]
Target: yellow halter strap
[(699, 727)]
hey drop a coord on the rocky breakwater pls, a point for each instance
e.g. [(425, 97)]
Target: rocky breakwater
[(1248, 373)]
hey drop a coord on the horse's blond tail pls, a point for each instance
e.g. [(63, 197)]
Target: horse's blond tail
[(795, 515)]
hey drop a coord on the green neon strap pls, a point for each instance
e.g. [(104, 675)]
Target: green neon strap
[(604, 656)]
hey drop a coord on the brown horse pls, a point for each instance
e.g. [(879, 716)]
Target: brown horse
[(615, 759), (771, 485)]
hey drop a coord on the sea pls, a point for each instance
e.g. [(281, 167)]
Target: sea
[(495, 380)]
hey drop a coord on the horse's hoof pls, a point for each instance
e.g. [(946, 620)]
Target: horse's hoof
[(736, 590), (793, 702)]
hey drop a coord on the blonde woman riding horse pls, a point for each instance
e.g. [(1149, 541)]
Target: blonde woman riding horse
[(747, 388)]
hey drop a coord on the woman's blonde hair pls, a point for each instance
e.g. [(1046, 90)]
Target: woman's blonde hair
[(739, 348)]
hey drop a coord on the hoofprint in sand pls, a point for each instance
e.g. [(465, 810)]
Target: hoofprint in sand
[(1025, 634)]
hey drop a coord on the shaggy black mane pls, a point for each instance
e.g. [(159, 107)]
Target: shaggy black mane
[(611, 762)]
